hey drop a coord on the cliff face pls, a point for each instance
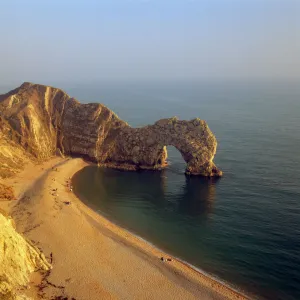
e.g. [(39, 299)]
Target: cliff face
[(37, 120), (18, 259), (12, 155), (88, 130)]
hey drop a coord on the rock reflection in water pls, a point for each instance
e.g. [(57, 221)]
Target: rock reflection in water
[(198, 195), (161, 191)]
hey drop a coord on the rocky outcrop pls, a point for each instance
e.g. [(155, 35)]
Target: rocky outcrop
[(37, 120), (146, 147), (18, 259), (6, 192)]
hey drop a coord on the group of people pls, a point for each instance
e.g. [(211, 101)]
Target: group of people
[(54, 192), (69, 185)]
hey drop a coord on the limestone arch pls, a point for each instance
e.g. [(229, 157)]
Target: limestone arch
[(146, 147)]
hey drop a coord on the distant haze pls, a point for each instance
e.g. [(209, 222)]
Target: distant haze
[(85, 41)]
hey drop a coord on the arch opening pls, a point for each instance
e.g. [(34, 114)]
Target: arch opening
[(174, 159), (174, 155)]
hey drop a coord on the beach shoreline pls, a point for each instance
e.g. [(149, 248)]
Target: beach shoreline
[(79, 240)]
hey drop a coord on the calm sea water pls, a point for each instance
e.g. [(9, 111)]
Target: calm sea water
[(243, 228)]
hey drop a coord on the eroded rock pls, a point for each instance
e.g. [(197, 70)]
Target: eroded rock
[(6, 192), (18, 259), (40, 120), (193, 139)]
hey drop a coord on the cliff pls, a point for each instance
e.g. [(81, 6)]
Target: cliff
[(18, 259), (37, 121)]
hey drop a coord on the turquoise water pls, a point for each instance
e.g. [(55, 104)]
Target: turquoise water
[(243, 228)]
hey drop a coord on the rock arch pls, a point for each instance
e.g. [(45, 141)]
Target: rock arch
[(38, 121), (145, 147)]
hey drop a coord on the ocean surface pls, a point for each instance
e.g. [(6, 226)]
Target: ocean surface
[(243, 228)]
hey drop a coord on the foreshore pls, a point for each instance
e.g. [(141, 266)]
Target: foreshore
[(93, 258)]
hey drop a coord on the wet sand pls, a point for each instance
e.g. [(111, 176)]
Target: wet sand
[(93, 258)]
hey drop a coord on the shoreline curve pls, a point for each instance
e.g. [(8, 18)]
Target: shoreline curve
[(207, 276), (92, 257)]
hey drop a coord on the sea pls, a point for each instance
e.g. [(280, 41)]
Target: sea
[(244, 228)]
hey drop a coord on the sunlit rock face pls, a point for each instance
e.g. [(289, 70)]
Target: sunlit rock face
[(88, 130), (146, 147), (37, 121), (18, 259)]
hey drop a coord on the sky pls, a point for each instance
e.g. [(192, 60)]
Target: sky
[(90, 40)]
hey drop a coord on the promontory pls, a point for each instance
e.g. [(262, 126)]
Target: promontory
[(37, 122)]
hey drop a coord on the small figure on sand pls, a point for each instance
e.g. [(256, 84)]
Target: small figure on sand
[(69, 186), (165, 259)]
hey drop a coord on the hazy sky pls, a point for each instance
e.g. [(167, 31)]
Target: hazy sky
[(90, 40)]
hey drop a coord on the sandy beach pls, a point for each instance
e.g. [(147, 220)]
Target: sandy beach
[(92, 258)]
